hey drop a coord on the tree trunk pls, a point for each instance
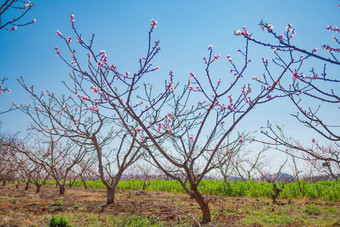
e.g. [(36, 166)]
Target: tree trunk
[(204, 207), (27, 185), (61, 190), (38, 188), (110, 196), (4, 179), (144, 185), (84, 183)]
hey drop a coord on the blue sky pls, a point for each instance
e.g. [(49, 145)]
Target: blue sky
[(185, 29)]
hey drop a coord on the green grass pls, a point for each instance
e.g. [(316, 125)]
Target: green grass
[(326, 190)]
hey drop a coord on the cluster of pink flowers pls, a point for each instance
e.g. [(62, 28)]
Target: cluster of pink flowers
[(69, 39), (216, 57), (229, 58), (330, 49), (171, 86), (159, 127), (255, 78), (59, 33), (103, 58), (334, 28), (270, 27), (38, 108), (57, 51), (244, 33), (2, 91), (89, 58), (246, 89), (93, 108), (191, 138), (295, 75), (72, 18), (84, 98), (100, 64), (94, 89), (80, 40), (28, 4), (153, 23), (241, 139)]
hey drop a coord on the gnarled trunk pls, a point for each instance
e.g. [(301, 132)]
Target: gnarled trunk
[(4, 180), (203, 205), (38, 188), (61, 190), (110, 196)]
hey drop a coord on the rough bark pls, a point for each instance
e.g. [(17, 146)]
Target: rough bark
[(4, 180), (204, 207), (110, 196), (38, 188), (61, 190)]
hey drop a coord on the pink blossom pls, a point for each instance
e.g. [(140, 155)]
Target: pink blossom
[(191, 138), (28, 4), (295, 75), (59, 33), (80, 40), (100, 64), (238, 32), (270, 26), (93, 108), (171, 87), (191, 88), (153, 23), (72, 18)]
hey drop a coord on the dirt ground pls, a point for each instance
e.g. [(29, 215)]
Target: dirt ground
[(147, 208)]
